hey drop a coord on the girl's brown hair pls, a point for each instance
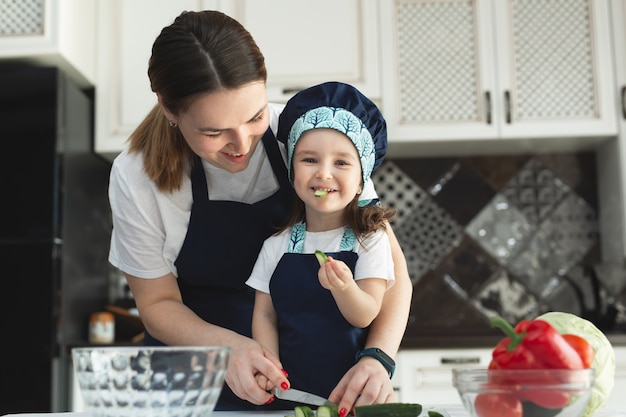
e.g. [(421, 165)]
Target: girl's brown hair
[(362, 220), (200, 53)]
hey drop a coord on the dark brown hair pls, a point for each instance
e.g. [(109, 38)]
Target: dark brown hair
[(200, 53)]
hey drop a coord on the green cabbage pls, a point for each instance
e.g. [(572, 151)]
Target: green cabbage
[(604, 355)]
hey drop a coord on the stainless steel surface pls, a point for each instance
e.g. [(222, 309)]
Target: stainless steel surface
[(300, 397)]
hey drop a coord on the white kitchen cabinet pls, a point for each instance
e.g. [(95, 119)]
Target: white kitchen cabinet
[(307, 43), (304, 43), (425, 375), (57, 33), (471, 76), (617, 399), (125, 33), (612, 155)]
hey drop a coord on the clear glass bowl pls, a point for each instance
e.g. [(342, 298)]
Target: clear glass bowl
[(150, 381), (524, 392)]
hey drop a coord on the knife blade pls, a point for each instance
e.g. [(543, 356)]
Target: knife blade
[(298, 396)]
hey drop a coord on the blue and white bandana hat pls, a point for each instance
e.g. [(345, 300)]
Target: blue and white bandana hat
[(341, 107)]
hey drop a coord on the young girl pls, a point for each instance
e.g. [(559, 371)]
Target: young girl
[(315, 318)]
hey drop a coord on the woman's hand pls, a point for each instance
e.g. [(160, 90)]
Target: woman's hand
[(367, 382), (251, 370)]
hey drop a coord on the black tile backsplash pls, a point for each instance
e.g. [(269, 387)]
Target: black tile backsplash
[(513, 236)]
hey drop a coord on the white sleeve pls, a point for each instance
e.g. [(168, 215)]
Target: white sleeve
[(138, 236), (273, 249), (375, 260)]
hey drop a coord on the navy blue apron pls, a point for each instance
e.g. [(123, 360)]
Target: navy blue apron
[(317, 345), (220, 249)]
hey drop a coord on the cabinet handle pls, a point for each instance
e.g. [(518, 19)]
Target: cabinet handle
[(488, 107), (624, 101), (292, 90), (507, 106), (459, 360)]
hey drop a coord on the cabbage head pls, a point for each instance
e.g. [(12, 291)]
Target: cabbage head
[(604, 355)]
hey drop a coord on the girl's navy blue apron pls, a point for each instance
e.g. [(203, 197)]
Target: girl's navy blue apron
[(222, 243), (316, 343)]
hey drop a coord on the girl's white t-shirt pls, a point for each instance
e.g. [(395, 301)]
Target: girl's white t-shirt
[(149, 226), (374, 260)]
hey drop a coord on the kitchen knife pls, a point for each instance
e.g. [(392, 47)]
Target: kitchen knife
[(300, 396)]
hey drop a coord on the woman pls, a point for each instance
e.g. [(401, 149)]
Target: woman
[(201, 186)]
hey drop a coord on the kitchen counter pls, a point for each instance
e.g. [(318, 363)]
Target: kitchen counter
[(454, 411)]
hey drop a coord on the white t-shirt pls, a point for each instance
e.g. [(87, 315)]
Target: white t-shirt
[(149, 226), (374, 261)]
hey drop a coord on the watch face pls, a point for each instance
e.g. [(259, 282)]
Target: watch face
[(385, 356)]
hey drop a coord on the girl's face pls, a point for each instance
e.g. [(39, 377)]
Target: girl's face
[(225, 127), (326, 159)]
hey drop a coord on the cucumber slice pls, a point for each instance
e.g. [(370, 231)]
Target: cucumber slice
[(327, 411), (303, 411), (320, 193), (388, 410), (321, 257)]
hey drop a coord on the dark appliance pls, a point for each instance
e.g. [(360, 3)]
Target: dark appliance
[(54, 234)]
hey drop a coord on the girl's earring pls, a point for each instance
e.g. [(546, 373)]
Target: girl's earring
[(172, 123)]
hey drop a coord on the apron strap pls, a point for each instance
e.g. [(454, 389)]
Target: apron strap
[(298, 232)]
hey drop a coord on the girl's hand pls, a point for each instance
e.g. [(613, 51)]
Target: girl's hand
[(335, 275), (367, 382), (252, 370)]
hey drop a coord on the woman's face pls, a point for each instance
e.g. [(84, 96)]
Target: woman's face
[(326, 160), (225, 127)]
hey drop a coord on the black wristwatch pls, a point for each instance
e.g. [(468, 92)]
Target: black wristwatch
[(382, 357)]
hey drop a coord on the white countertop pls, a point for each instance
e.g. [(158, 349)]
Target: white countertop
[(453, 411)]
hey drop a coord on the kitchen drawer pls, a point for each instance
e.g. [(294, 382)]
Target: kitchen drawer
[(425, 376)]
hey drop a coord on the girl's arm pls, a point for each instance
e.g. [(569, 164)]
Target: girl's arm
[(264, 322), (359, 301)]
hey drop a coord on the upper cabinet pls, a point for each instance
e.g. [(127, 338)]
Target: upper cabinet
[(308, 42), (303, 42), (126, 31), (612, 154), (458, 74), (51, 32)]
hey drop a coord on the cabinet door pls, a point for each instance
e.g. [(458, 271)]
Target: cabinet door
[(438, 71), (126, 32), (612, 155), (458, 74), (554, 68), (305, 42), (51, 33)]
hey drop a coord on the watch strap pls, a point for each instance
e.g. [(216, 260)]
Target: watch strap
[(381, 356)]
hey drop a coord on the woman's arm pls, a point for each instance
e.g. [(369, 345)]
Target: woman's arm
[(170, 321), (368, 382)]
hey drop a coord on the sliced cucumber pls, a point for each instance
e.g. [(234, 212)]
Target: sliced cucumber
[(321, 257), (303, 411), (327, 411), (388, 410), (320, 193)]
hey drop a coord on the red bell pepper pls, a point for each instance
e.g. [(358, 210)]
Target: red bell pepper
[(535, 345)]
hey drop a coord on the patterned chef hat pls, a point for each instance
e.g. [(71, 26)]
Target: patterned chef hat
[(341, 107)]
